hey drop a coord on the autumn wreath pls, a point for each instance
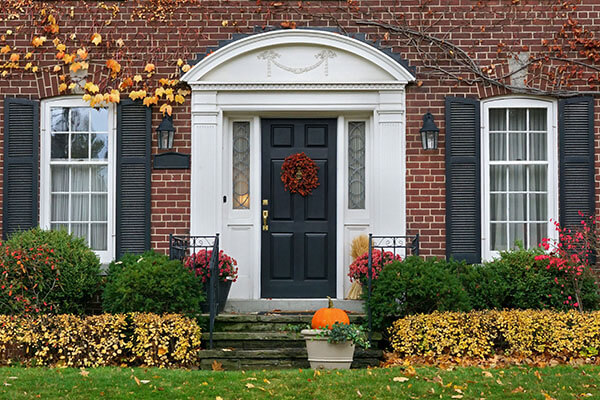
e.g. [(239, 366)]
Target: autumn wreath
[(299, 174)]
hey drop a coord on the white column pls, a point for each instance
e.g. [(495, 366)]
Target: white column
[(205, 207), (390, 165)]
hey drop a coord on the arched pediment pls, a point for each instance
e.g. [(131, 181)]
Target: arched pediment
[(298, 56)]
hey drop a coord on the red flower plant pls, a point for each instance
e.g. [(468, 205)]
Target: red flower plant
[(299, 174), (200, 263), (359, 268)]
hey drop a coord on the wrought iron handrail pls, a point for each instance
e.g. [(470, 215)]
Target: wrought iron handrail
[(181, 247), (394, 245)]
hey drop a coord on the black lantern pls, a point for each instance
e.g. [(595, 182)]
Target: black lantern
[(165, 133), (429, 133)]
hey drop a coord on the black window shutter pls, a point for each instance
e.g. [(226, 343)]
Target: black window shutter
[(463, 183), (21, 153), (134, 129), (576, 132)]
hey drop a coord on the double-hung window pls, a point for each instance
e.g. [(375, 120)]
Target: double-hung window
[(520, 176), (77, 170)]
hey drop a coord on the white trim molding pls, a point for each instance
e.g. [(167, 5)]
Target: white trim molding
[(225, 89)]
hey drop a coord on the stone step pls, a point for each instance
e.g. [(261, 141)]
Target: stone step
[(276, 358), (261, 339), (267, 322), (293, 305)]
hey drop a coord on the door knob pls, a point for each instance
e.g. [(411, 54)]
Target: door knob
[(265, 215)]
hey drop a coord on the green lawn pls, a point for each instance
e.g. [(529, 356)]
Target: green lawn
[(561, 382)]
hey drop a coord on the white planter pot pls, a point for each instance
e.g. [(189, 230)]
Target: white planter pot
[(324, 355)]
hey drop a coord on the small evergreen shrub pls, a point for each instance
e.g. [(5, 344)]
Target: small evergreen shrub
[(151, 283), (416, 286), (76, 279)]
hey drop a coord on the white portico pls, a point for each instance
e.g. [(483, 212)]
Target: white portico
[(308, 76)]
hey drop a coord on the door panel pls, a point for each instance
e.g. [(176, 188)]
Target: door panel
[(298, 249)]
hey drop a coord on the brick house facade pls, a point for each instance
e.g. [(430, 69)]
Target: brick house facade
[(505, 57)]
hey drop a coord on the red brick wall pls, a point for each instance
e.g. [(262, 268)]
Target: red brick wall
[(490, 31)]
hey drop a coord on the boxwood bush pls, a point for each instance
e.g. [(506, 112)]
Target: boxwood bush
[(151, 283), (78, 270)]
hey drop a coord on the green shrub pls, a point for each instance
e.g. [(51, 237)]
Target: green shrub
[(416, 286), (79, 279), (151, 283)]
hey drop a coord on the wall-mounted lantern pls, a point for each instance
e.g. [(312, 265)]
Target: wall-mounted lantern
[(429, 133), (165, 133)]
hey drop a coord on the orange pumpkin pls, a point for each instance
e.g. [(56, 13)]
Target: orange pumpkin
[(327, 317)]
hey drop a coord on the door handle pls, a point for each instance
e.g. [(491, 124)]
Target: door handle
[(265, 215)]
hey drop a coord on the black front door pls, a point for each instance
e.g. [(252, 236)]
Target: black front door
[(298, 249)]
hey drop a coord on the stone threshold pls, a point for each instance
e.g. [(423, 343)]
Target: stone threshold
[(290, 305)]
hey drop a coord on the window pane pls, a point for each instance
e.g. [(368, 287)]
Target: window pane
[(99, 119), (517, 207), (498, 119), (59, 119), (517, 178), (538, 207), (498, 207), (80, 205), (99, 146), (497, 178), (98, 237), (80, 179), (59, 227), (536, 233), (498, 237), (59, 146), (80, 119), (99, 178), (538, 178), (356, 165), (59, 210), (517, 146), (80, 230), (99, 207), (241, 165), (497, 146), (537, 119), (517, 119), (538, 146), (79, 145), (59, 178), (517, 233)]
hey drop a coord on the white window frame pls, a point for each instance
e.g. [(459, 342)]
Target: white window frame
[(106, 256), (552, 151)]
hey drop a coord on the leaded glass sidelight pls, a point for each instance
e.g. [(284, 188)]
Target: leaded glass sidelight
[(356, 165), (241, 165)]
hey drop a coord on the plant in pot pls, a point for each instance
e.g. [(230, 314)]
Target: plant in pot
[(199, 262), (331, 342)]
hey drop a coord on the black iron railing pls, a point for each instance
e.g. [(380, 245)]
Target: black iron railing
[(394, 246), (181, 247)]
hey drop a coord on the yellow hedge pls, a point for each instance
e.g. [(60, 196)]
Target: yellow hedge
[(486, 333), (108, 339)]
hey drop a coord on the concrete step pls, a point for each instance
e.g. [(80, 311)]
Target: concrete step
[(293, 305), (276, 358)]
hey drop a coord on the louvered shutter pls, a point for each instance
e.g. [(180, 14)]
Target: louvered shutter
[(576, 147), (21, 153), (463, 183), (133, 177)]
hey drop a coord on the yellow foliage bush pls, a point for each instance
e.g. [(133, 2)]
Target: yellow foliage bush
[(100, 340), (483, 334)]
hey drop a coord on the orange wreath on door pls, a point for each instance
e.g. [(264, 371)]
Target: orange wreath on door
[(299, 174)]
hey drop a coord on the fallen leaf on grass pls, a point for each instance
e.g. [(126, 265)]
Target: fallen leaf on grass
[(249, 385), (218, 398), (137, 380), (487, 374), (537, 375), (144, 381), (410, 371), (358, 393), (7, 384), (518, 390), (400, 379), (84, 373), (457, 396)]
